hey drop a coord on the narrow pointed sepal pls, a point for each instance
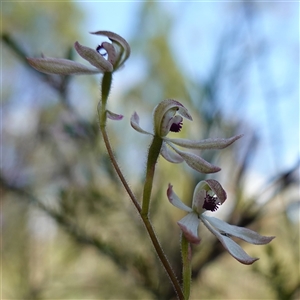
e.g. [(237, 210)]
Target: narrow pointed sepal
[(231, 246), (60, 66), (189, 226), (213, 143), (174, 199), (196, 162), (135, 124), (94, 58), (235, 250), (245, 234)]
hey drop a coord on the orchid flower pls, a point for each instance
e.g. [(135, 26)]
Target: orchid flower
[(209, 195), (116, 52), (168, 116)]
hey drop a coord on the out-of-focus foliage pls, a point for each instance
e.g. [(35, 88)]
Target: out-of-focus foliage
[(69, 230)]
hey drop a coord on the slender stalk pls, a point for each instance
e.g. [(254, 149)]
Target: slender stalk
[(118, 170), (163, 257), (152, 159), (186, 266), (145, 219)]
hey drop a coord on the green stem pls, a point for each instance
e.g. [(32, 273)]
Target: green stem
[(145, 219), (105, 89), (118, 170), (163, 257), (152, 159), (154, 151), (186, 266)]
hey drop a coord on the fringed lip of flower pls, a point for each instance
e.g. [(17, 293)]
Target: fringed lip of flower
[(208, 195), (117, 53), (168, 116)]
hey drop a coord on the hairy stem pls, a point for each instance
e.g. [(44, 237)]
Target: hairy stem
[(186, 266), (152, 158)]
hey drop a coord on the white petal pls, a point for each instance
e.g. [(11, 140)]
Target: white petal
[(174, 199), (134, 121), (114, 116), (196, 162), (213, 143), (189, 226), (245, 234), (232, 247), (170, 155), (60, 66)]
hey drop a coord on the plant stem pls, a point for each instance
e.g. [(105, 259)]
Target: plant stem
[(145, 219), (186, 266), (153, 154), (118, 170), (152, 159)]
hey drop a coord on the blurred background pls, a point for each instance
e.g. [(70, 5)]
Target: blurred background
[(69, 230)]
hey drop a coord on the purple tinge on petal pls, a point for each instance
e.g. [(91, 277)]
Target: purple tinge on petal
[(189, 226), (232, 247), (217, 189), (174, 199), (135, 124), (93, 57), (117, 39), (164, 112), (113, 116), (245, 234), (60, 66), (111, 52), (170, 155), (196, 162), (208, 194)]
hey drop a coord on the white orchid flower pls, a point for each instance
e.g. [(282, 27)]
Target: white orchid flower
[(116, 52), (208, 195), (168, 116)]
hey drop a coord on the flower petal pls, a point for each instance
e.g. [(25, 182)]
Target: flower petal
[(196, 162), (245, 234), (94, 58), (213, 143), (111, 52), (60, 66), (170, 155), (117, 39), (232, 247), (174, 199), (214, 186), (163, 112), (135, 123), (189, 226), (113, 116)]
